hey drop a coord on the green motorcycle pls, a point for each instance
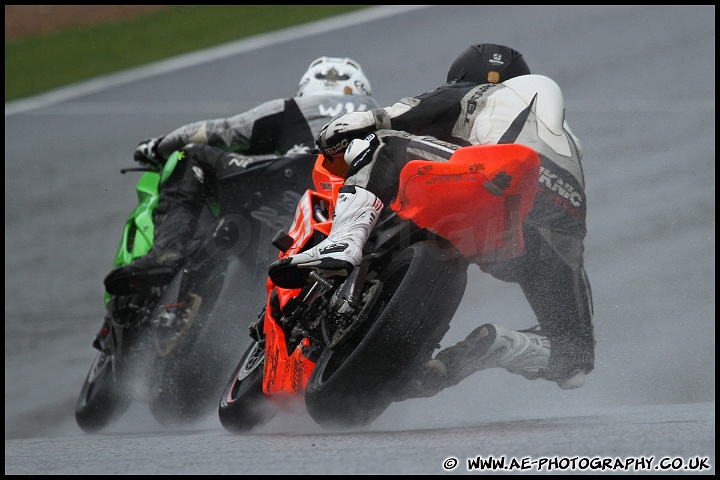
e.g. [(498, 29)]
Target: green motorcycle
[(175, 345)]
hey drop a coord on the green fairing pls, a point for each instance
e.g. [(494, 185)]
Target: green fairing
[(138, 232)]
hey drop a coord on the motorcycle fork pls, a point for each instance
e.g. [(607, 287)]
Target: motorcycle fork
[(345, 299)]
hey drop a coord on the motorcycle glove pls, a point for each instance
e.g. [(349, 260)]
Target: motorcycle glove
[(335, 136), (146, 154)]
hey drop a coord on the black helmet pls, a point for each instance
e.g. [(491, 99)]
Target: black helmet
[(487, 63)]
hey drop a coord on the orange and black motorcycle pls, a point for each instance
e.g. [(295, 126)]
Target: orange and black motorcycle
[(343, 348)]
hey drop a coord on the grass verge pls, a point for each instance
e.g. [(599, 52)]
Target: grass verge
[(44, 62)]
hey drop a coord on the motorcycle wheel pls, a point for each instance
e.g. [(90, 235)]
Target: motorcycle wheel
[(243, 405), (103, 396), (186, 379), (353, 385)]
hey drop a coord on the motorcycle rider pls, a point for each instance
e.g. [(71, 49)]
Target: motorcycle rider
[(330, 86), (490, 97)]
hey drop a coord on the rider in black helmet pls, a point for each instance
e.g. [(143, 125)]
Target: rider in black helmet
[(490, 98), (487, 63)]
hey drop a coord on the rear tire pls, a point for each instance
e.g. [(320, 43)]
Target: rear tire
[(187, 380), (243, 405), (354, 384)]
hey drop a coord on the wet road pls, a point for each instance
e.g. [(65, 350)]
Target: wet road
[(639, 86)]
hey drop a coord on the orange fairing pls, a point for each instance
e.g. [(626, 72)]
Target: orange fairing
[(328, 176), (286, 375), (483, 219)]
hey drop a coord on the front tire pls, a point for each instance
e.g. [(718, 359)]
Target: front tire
[(243, 405), (104, 397), (353, 385)]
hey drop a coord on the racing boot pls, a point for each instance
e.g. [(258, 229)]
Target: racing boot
[(356, 213), (488, 346), (171, 245)]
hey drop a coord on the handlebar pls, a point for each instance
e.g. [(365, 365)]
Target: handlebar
[(135, 169)]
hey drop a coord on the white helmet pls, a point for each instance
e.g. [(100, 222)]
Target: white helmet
[(334, 76)]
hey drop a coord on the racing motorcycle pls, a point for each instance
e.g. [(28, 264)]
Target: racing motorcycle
[(344, 348), (170, 346)]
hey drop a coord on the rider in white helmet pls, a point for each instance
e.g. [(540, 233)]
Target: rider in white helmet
[(332, 75), (213, 149)]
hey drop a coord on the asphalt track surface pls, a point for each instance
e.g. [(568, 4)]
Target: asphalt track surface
[(639, 86)]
